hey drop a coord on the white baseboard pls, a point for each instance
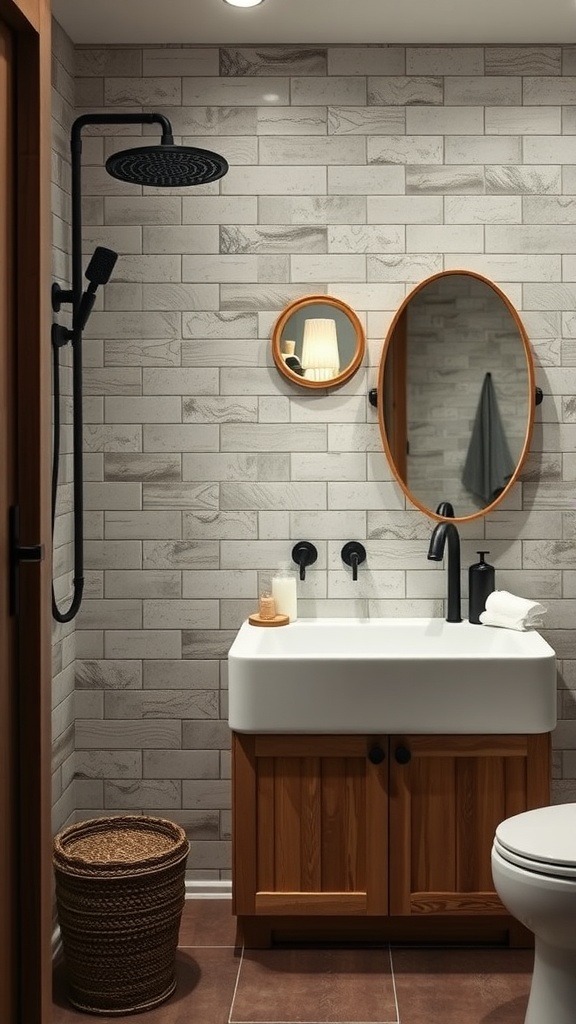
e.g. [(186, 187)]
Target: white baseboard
[(214, 890)]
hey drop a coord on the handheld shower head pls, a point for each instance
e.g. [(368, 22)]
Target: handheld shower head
[(97, 272), (166, 165), (101, 265)]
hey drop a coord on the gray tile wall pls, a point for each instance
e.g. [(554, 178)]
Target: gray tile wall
[(354, 171)]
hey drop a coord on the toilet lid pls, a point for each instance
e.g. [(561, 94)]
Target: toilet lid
[(545, 837)]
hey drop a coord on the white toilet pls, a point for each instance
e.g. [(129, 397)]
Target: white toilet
[(534, 871)]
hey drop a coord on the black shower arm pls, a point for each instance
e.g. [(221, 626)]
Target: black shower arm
[(102, 119), (76, 197)]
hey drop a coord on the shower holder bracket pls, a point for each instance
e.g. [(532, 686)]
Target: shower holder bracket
[(60, 295), (60, 335)]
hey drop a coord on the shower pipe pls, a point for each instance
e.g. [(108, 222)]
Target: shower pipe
[(170, 165)]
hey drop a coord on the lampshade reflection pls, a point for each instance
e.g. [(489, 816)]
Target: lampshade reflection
[(320, 355)]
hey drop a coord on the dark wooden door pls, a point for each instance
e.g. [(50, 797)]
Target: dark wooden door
[(25, 835), (8, 681)]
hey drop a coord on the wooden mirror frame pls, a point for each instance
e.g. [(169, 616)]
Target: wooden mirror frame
[(398, 325), (351, 367)]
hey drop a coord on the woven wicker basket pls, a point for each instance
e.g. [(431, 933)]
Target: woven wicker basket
[(120, 893)]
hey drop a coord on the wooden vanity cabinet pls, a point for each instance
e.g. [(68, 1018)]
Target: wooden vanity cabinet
[(375, 829)]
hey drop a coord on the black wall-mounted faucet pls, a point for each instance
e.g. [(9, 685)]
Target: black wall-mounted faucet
[(304, 554), (354, 553), (448, 532)]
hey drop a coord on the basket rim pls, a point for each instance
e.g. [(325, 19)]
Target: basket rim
[(66, 861)]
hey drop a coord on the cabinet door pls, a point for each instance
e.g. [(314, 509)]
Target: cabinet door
[(310, 825), (447, 795)]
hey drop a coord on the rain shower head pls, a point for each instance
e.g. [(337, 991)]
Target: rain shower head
[(166, 165)]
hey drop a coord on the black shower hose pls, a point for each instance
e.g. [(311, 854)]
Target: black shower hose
[(78, 582)]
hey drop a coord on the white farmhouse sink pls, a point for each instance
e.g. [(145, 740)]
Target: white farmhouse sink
[(390, 676)]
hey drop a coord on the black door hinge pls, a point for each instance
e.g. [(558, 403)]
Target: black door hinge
[(19, 553)]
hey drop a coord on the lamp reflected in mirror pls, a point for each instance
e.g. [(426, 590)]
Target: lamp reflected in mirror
[(318, 342), (320, 355)]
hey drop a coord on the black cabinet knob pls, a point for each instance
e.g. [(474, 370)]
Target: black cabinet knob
[(376, 755), (402, 755)]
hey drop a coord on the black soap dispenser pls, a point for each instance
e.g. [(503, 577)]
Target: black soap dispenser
[(481, 583)]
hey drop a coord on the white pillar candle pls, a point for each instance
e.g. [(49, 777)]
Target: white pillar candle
[(284, 594)]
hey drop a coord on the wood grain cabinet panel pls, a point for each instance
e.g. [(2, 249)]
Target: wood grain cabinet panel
[(314, 837), (445, 804)]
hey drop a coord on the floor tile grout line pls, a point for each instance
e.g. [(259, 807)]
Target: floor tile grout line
[(236, 984), (393, 977)]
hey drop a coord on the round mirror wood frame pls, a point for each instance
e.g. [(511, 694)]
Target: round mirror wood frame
[(397, 333), (341, 309)]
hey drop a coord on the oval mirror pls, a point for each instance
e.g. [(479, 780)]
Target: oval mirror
[(318, 342), (456, 394)]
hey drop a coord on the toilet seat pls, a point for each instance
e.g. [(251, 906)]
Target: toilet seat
[(542, 840)]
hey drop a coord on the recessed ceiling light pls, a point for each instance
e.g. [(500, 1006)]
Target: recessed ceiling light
[(243, 3)]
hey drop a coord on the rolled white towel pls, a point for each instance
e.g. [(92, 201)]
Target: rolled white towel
[(511, 612)]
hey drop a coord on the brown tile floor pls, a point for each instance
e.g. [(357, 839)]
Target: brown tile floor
[(218, 984)]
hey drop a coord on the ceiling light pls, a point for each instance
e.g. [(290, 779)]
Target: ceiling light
[(243, 3)]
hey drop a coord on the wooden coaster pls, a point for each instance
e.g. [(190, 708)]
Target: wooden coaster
[(278, 620)]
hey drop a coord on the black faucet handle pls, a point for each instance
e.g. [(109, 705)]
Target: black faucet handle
[(353, 554), (304, 554)]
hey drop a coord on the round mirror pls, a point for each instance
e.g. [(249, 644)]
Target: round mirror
[(318, 342), (456, 394)]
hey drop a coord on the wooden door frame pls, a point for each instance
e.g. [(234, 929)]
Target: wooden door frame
[(30, 21)]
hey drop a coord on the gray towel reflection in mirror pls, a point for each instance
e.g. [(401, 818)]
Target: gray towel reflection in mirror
[(489, 464)]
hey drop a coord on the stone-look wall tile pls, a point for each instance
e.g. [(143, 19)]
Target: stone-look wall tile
[(177, 614), (404, 91), (546, 91), (154, 795), (479, 149), (105, 764), (119, 466), (163, 704), (524, 60), (445, 60), (123, 735), (483, 210), (432, 179), (488, 91), (146, 584), (237, 525), (208, 465), (366, 60), (168, 61), (142, 525), (181, 675), (109, 674), (181, 554), (143, 643), (181, 764), (523, 120)]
